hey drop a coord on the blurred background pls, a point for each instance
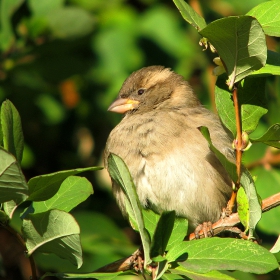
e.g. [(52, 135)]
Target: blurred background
[(62, 64)]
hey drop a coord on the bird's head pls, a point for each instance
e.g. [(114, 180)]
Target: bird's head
[(153, 87)]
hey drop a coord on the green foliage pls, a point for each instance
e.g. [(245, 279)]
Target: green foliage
[(119, 172), (53, 231), (251, 99), (46, 225), (63, 62), (240, 43)]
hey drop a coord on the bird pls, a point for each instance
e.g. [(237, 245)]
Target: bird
[(168, 158)]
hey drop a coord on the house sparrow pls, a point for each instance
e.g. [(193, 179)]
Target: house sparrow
[(169, 159)]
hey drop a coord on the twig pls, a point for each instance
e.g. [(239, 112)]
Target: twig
[(122, 264), (238, 147), (226, 223), (269, 159)]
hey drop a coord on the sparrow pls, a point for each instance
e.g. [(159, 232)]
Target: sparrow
[(159, 139)]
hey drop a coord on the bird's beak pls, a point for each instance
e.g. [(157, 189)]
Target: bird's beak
[(122, 105)]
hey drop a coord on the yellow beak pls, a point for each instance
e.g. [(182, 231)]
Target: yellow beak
[(122, 105)]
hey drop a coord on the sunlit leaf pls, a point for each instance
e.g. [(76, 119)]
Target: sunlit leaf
[(268, 15), (243, 208), (271, 137), (223, 254), (194, 275), (12, 182), (241, 44), (12, 130), (276, 247), (190, 15), (72, 192), (272, 66), (120, 174), (55, 232), (44, 187), (251, 99), (162, 234)]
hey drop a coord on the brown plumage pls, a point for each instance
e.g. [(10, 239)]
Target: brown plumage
[(168, 158)]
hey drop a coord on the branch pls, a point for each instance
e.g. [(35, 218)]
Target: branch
[(229, 223), (269, 159), (238, 147), (121, 265)]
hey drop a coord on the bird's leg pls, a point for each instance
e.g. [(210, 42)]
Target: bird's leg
[(206, 227), (138, 261)]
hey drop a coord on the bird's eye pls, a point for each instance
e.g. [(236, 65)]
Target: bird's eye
[(140, 91)]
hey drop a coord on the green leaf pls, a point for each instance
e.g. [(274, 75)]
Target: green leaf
[(255, 210), (271, 137), (7, 9), (179, 232), (246, 180), (243, 208), (251, 93), (93, 275), (272, 66), (276, 247), (162, 233), (72, 192), (268, 182), (12, 182), (120, 174), (55, 232), (43, 7), (190, 15), (228, 165), (162, 267), (268, 15), (44, 187), (169, 276), (10, 206), (177, 251), (12, 130), (240, 42), (209, 254), (64, 24), (150, 220), (4, 218), (194, 275)]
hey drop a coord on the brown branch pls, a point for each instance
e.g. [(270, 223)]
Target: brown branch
[(225, 224), (122, 264), (269, 159), (238, 143)]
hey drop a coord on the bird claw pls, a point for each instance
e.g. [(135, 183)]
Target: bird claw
[(207, 229)]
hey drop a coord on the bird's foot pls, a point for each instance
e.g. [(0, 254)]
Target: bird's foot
[(139, 261), (226, 212), (206, 227)]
